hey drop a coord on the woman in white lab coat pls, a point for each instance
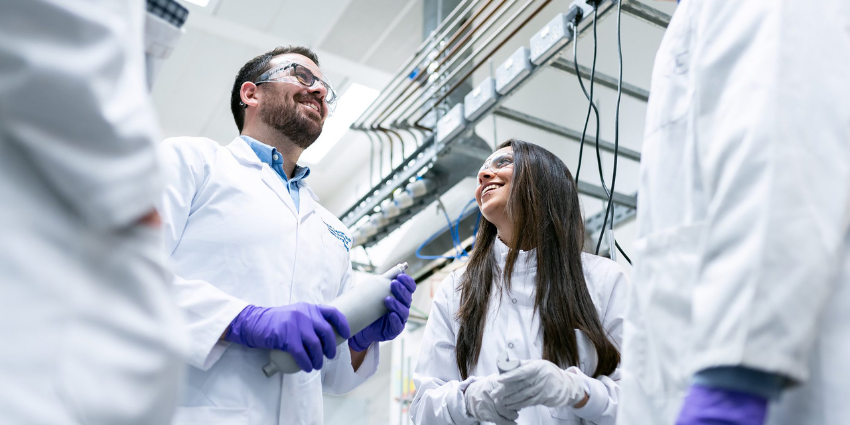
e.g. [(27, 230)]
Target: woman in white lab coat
[(530, 292)]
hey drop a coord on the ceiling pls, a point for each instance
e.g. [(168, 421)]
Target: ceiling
[(193, 88), (362, 41)]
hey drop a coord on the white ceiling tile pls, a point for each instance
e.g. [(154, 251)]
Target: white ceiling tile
[(194, 82), (294, 24), (362, 22), (256, 13)]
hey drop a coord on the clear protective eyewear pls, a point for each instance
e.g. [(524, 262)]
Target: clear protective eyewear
[(498, 162), (294, 72)]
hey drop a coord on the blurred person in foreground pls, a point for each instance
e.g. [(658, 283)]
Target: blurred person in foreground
[(91, 335)]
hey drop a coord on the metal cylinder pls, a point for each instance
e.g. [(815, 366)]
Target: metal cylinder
[(404, 200), (421, 187), (390, 209), (378, 220), (361, 305)]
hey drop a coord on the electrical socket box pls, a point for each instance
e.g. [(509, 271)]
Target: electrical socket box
[(513, 70), (551, 38), (479, 99), (586, 9), (451, 124)]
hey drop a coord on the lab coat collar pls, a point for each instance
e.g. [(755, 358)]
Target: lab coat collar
[(527, 260), (245, 155)]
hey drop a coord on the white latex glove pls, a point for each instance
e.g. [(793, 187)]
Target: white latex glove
[(480, 404), (538, 382)]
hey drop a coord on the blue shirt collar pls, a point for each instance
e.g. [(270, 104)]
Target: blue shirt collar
[(267, 155)]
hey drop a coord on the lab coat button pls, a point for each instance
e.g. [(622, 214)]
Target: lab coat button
[(513, 300), (511, 345)]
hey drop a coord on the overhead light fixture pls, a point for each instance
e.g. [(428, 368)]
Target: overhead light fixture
[(351, 105), (202, 3)]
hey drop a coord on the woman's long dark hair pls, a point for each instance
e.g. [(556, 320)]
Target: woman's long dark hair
[(544, 210)]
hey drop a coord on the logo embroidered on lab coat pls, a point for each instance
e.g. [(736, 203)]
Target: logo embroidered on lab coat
[(346, 241)]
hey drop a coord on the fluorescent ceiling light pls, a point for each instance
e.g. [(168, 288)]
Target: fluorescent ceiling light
[(351, 105), (202, 3)]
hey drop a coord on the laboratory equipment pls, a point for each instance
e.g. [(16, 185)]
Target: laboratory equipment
[(389, 209), (550, 39), (421, 187), (361, 305), (451, 124), (513, 70), (480, 99), (404, 200)]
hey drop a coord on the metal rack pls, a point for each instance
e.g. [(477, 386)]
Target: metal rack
[(452, 159)]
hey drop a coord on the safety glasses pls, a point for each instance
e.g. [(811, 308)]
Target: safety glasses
[(498, 162), (297, 73)]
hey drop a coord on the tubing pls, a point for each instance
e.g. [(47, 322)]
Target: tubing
[(361, 306)]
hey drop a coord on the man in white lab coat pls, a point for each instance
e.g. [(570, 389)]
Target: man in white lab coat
[(91, 334), (740, 311), (256, 256)]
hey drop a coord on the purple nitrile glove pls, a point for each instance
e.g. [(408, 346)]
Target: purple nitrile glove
[(301, 329), (392, 323), (717, 406)]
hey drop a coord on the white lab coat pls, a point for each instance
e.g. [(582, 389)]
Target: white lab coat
[(91, 333), (513, 325), (234, 238), (741, 256)]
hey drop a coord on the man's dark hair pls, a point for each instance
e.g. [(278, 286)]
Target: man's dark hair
[(253, 69)]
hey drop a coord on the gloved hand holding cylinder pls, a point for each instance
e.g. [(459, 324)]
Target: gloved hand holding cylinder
[(361, 306)]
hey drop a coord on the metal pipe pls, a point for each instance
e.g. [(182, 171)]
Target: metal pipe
[(400, 140), (599, 193), (483, 60), (646, 13), (561, 131), (396, 123), (378, 132), (371, 158), (463, 42), (416, 57), (566, 65), (464, 27), (407, 112), (415, 139), (442, 61)]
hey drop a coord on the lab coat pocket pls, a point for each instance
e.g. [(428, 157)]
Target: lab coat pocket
[(210, 416), (657, 329)]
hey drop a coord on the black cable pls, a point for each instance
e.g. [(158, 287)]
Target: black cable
[(610, 209), (622, 252), (590, 99), (590, 104), (592, 80)]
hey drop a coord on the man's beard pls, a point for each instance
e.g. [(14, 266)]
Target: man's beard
[(285, 117)]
